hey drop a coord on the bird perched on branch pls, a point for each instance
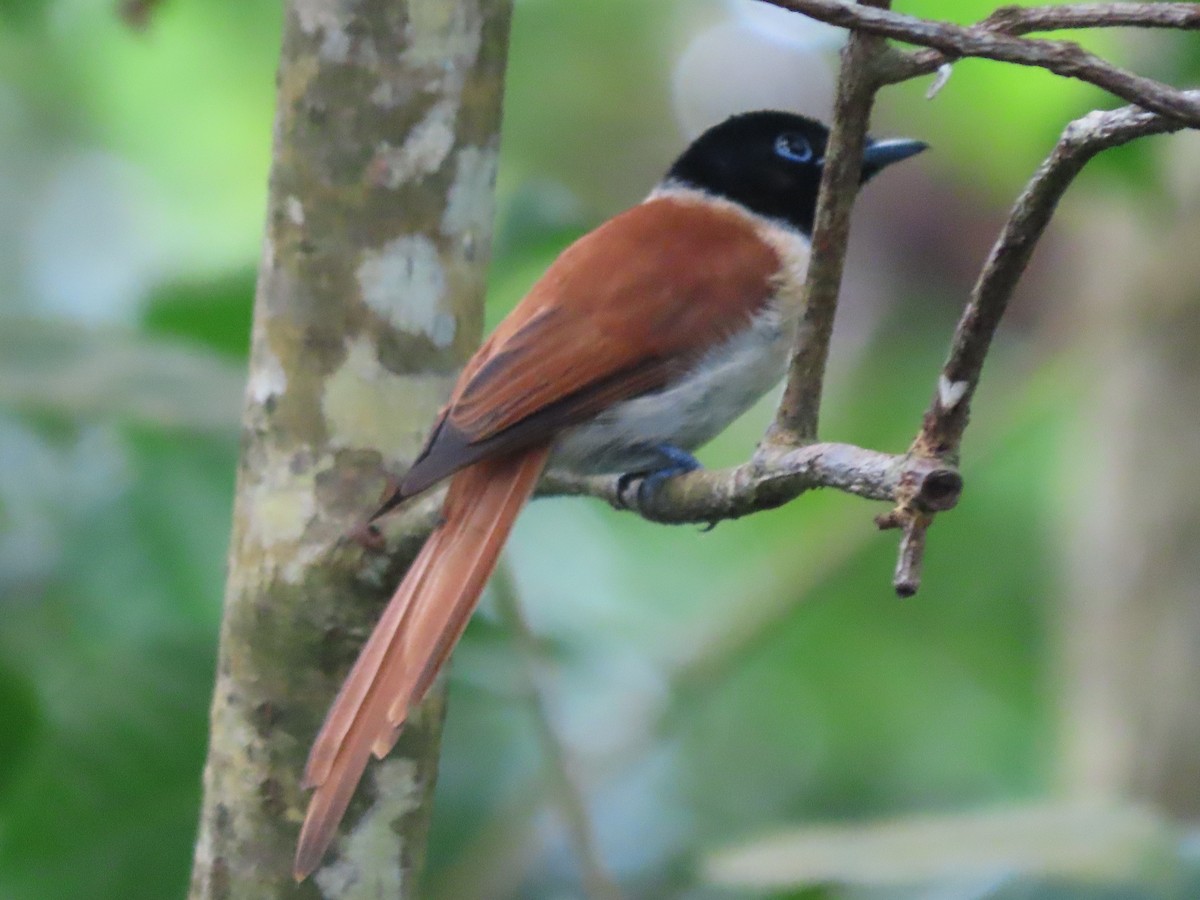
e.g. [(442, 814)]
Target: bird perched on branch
[(642, 341)]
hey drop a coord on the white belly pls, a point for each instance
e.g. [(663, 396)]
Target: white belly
[(686, 413)]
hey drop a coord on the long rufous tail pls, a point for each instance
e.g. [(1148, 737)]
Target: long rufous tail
[(414, 637)]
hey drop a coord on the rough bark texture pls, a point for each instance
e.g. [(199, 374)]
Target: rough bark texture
[(369, 298), (1132, 622)]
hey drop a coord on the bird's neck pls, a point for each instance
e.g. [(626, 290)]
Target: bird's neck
[(685, 192)]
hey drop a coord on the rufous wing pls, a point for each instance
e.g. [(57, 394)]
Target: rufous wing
[(621, 312)]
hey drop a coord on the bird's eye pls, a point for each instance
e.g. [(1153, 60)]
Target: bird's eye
[(794, 147)]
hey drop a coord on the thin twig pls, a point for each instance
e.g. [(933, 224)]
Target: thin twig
[(597, 882), (941, 433), (796, 419), (907, 578), (995, 42)]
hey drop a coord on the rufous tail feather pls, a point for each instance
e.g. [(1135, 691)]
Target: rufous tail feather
[(414, 637)]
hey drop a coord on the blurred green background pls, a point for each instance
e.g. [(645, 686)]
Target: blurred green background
[(713, 691)]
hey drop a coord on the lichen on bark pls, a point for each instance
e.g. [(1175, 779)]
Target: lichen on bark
[(369, 298)]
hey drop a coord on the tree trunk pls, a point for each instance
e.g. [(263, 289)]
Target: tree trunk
[(370, 296), (1132, 628)]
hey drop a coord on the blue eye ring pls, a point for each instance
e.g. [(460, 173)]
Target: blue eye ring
[(794, 146)]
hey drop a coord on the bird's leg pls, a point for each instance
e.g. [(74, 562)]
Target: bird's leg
[(673, 461)]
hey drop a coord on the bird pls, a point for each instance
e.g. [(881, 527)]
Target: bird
[(643, 340)]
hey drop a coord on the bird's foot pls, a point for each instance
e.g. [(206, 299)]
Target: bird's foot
[(675, 461)]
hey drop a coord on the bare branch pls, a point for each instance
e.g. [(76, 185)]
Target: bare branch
[(995, 42), (907, 580), (796, 418), (1082, 139), (777, 475), (1026, 19)]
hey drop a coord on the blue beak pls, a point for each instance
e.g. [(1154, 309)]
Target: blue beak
[(880, 154)]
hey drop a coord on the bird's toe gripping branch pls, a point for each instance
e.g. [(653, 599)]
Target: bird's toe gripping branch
[(674, 461)]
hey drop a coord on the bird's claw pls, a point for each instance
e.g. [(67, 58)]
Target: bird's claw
[(675, 462)]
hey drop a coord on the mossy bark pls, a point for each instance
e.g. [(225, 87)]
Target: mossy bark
[(370, 297)]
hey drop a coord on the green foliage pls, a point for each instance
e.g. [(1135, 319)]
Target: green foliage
[(215, 313), (111, 650), (25, 15), (994, 123), (22, 719)]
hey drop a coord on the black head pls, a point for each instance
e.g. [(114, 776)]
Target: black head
[(771, 162)]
